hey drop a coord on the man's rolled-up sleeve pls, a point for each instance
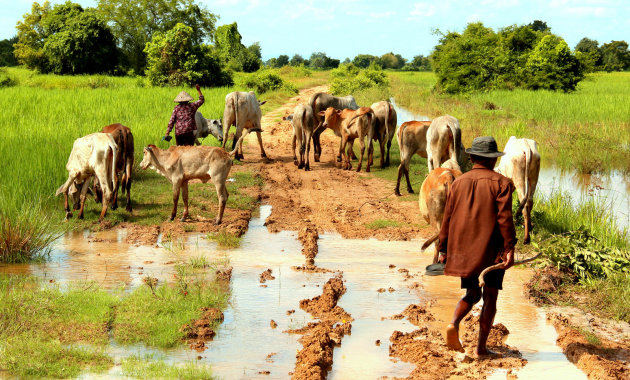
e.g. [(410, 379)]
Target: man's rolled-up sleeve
[(504, 216)]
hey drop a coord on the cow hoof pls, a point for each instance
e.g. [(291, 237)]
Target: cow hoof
[(300, 166), (316, 159), (183, 219), (397, 193), (366, 170), (307, 168), (171, 218), (217, 222), (128, 208), (295, 162), (114, 206), (526, 241), (263, 155), (81, 217), (410, 191), (68, 215)]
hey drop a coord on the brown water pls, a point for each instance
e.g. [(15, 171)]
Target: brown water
[(245, 339)]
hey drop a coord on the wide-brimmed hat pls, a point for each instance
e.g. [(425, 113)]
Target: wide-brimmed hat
[(485, 146), (183, 97)]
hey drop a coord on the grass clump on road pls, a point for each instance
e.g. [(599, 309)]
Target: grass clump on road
[(154, 314), (383, 223), (225, 239)]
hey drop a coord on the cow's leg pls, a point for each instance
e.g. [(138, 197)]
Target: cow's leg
[(84, 189), (342, 153), (409, 188), (308, 151), (177, 184), (317, 148), (381, 144), (361, 152), (115, 191), (300, 144), (389, 145), (66, 206), (263, 154), (223, 195), (293, 143), (185, 199), (226, 134)]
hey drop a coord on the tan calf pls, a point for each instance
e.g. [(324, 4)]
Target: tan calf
[(180, 164), (351, 124), (124, 141), (303, 123), (433, 193), (412, 140)]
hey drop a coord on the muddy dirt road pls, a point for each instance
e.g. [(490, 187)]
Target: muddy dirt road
[(326, 197)]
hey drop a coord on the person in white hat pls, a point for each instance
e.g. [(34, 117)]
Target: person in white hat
[(183, 118)]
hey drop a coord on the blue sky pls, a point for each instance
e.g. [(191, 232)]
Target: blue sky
[(345, 28)]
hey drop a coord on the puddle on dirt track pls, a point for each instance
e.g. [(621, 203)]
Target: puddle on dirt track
[(246, 344)]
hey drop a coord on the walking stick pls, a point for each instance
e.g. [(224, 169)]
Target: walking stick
[(482, 282)]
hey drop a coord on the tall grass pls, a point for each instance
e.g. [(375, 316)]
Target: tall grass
[(587, 130)]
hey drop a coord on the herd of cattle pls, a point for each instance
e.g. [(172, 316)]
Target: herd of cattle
[(104, 156)]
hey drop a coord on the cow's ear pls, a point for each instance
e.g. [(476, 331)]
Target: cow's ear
[(263, 102), (322, 113), (148, 148)]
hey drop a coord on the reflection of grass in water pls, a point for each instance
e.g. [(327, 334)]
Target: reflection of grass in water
[(38, 322), (383, 223), (149, 367)]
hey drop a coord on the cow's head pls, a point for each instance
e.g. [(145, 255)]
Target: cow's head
[(330, 116), (216, 129), (147, 156)]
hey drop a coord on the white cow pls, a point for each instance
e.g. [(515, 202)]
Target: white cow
[(521, 163), (242, 110), (444, 142), (207, 127), (92, 155)]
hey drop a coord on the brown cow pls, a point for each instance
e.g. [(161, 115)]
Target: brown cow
[(320, 101), (412, 139), (180, 164), (124, 163), (433, 193), (351, 124)]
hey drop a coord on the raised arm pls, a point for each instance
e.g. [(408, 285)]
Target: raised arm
[(199, 102)]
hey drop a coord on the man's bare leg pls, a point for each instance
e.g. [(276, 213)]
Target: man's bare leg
[(461, 310), (488, 311)]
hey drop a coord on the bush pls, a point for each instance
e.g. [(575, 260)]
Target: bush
[(6, 80), (267, 80), (348, 79), (173, 60), (517, 56)]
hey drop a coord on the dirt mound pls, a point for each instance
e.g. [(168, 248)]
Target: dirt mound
[(201, 330), (224, 275), (141, 235), (544, 282), (416, 314), (598, 357), (427, 350), (308, 237), (266, 276), (314, 360)]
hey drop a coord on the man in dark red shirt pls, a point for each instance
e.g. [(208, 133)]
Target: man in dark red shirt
[(477, 232), (183, 118)]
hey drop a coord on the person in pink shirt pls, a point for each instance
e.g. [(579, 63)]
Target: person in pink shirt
[(183, 118)]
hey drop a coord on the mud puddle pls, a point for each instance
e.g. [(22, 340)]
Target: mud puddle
[(382, 278)]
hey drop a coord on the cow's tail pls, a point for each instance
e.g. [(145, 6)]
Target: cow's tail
[(401, 132), (430, 241), (457, 142), (114, 148), (528, 159), (124, 154), (303, 118), (387, 112)]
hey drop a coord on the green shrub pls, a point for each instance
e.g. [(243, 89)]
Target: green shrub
[(266, 80), (348, 79), (6, 80)]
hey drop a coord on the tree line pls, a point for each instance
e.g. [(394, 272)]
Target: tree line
[(175, 42)]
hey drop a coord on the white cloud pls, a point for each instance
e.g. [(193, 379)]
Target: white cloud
[(588, 11), (422, 10)]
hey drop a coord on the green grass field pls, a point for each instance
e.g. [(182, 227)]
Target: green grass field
[(587, 130)]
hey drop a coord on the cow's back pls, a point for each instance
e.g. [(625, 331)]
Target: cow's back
[(433, 193)]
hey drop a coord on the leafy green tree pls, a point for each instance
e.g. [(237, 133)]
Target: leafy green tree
[(590, 54), (296, 60), (320, 60), (134, 22), (282, 60), (421, 63), (539, 26), (174, 59), (364, 60), (552, 66), (615, 56), (65, 40), (232, 52), (391, 61), (7, 58)]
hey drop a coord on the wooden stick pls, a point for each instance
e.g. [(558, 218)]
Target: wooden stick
[(482, 282)]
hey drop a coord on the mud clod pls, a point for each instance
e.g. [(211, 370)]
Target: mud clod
[(201, 330), (224, 275), (381, 290), (266, 276), (273, 324), (378, 342), (289, 312)]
